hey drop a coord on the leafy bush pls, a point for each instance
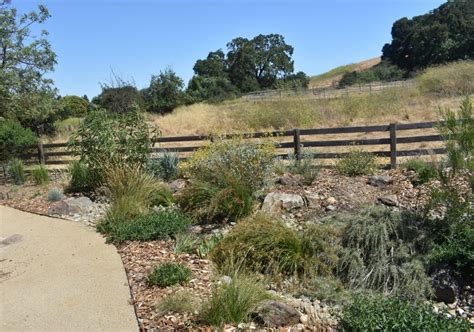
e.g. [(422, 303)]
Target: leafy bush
[(164, 166), (356, 162), (112, 140), (425, 171), (40, 175), (16, 169), (384, 72), (55, 195), (379, 253), (179, 302), (304, 167), (132, 192), (169, 274), (224, 177), (452, 79), (232, 303), (261, 244), (147, 227), (81, 177), (12, 134), (395, 314)]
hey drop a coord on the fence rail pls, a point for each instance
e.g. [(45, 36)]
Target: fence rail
[(326, 92), (293, 141)]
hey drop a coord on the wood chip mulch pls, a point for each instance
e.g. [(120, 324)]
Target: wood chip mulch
[(139, 259)]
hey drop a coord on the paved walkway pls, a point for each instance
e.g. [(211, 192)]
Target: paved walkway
[(57, 275)]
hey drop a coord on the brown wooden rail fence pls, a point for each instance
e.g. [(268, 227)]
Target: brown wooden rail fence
[(293, 141)]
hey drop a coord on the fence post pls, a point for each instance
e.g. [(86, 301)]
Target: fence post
[(41, 153), (297, 143), (393, 145)]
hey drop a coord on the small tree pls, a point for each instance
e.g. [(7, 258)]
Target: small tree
[(165, 92)]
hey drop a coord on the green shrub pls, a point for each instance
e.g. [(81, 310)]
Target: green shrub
[(304, 167), (224, 177), (112, 140), (12, 134), (232, 303), (148, 227), (425, 171), (379, 253), (267, 246), (453, 79), (164, 166), (55, 195), (395, 314), (169, 274), (179, 302), (356, 162), (16, 169), (81, 177), (40, 175), (133, 192)]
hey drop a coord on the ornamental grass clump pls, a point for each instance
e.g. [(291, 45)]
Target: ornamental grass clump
[(224, 177), (40, 175), (267, 246)]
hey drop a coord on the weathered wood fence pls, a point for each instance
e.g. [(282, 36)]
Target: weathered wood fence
[(390, 146)]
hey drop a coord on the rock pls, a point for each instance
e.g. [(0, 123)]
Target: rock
[(177, 185), (330, 208), (71, 206), (226, 280), (274, 202), (380, 180), (331, 201), (289, 180), (313, 201), (445, 286), (389, 200), (304, 319), (276, 314)]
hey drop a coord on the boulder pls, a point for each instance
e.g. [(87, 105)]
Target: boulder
[(313, 200), (389, 200), (445, 286), (289, 180), (71, 206), (177, 185), (276, 314), (380, 180), (274, 202)]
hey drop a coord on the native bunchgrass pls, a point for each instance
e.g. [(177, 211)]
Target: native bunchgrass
[(232, 303), (179, 302), (267, 246), (16, 170), (40, 175)]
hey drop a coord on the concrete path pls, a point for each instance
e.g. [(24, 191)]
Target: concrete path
[(57, 275)]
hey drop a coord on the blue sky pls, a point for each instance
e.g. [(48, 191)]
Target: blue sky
[(138, 38)]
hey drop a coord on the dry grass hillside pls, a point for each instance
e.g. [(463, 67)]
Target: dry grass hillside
[(333, 76)]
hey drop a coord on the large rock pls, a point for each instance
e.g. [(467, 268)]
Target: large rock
[(389, 200), (380, 180), (289, 180), (445, 286), (70, 206), (276, 314), (274, 202), (177, 185)]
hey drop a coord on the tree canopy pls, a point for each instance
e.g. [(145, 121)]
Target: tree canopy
[(165, 92), (442, 35)]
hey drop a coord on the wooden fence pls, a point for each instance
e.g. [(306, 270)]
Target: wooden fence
[(389, 146), (326, 92)]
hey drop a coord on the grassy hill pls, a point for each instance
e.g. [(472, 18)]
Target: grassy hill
[(333, 76)]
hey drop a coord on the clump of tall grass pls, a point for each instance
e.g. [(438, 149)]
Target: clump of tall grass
[(40, 175), (232, 303), (224, 177), (16, 169), (179, 302), (265, 245), (379, 253), (132, 192), (452, 79)]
